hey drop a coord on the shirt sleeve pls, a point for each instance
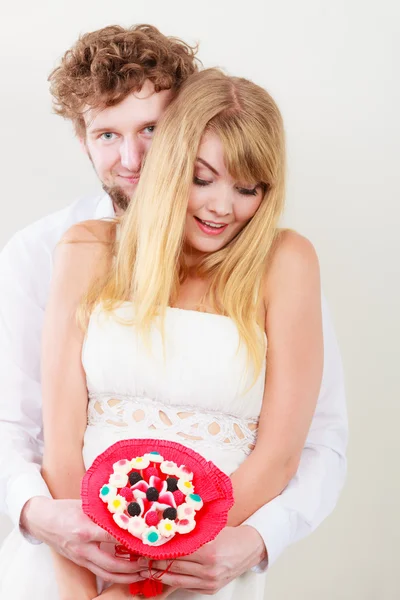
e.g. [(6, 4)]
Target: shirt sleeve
[(25, 270), (313, 493)]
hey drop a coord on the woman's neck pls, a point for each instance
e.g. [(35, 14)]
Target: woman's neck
[(192, 258)]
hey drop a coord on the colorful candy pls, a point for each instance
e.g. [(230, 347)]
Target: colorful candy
[(140, 462), (126, 493), (185, 525), (170, 513), (179, 497), (117, 504), (136, 526), (118, 480), (121, 520), (134, 509), (151, 472), (185, 473), (172, 484), (195, 501), (169, 468), (151, 498), (152, 494), (154, 457), (150, 536), (134, 477), (152, 518), (167, 527), (185, 511), (186, 487), (122, 466), (108, 492), (138, 494)]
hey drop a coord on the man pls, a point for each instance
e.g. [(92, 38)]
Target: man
[(114, 84)]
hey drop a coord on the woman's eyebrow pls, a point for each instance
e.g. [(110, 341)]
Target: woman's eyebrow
[(205, 163)]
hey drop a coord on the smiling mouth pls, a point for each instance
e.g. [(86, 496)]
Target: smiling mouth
[(131, 179), (211, 228)]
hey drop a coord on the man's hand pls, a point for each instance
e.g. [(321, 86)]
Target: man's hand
[(233, 552), (63, 525)]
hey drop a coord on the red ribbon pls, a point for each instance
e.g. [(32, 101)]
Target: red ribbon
[(147, 588), (150, 587)]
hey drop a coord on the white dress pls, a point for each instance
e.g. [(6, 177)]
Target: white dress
[(195, 389)]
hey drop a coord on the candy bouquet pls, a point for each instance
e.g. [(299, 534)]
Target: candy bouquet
[(159, 499)]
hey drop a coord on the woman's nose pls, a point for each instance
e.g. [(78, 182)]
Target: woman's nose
[(221, 202)]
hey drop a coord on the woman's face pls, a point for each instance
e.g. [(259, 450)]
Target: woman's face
[(219, 207)]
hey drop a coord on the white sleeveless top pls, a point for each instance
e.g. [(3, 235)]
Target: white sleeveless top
[(195, 388), (201, 395)]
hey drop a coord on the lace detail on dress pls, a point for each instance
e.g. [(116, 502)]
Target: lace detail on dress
[(186, 422)]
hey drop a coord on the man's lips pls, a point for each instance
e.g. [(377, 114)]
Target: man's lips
[(130, 178)]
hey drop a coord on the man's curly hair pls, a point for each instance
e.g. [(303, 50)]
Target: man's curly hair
[(104, 66)]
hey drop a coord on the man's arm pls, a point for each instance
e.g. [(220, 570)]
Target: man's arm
[(309, 498), (25, 273), (21, 320), (313, 492)]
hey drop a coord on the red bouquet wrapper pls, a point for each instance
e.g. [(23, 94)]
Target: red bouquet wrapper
[(210, 483)]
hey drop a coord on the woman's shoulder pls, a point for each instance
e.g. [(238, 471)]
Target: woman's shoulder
[(294, 262), (86, 250), (293, 249), (93, 231)]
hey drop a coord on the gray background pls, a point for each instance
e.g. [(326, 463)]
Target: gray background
[(333, 68)]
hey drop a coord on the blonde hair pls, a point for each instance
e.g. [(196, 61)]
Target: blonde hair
[(149, 266)]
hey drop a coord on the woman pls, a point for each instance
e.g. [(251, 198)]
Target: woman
[(185, 294)]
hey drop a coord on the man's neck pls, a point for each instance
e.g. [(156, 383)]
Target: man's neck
[(118, 211)]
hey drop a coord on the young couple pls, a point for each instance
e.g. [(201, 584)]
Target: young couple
[(175, 308)]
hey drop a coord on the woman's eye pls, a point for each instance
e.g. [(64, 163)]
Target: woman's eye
[(247, 192), (199, 181), (150, 129), (107, 136)]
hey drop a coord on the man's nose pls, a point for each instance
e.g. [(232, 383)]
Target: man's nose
[(131, 152)]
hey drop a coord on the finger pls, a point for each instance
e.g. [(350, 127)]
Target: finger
[(180, 567), (97, 534), (109, 563), (167, 592), (201, 556), (180, 581), (111, 577)]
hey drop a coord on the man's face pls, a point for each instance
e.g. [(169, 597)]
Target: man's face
[(118, 137)]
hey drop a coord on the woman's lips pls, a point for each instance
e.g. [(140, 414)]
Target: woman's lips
[(208, 229)]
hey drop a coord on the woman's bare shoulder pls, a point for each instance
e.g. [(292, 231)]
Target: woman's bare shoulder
[(95, 231), (85, 251), (293, 248), (293, 261)]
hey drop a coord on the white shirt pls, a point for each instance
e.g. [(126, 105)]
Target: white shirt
[(26, 265)]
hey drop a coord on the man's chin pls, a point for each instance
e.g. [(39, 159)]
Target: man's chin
[(120, 197)]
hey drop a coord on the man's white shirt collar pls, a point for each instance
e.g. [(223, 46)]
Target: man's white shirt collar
[(105, 208)]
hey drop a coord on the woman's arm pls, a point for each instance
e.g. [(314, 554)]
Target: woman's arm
[(81, 255), (294, 370)]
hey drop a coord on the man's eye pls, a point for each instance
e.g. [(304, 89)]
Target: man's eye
[(202, 182), (150, 129), (107, 136)]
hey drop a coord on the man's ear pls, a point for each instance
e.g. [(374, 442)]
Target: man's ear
[(82, 142)]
